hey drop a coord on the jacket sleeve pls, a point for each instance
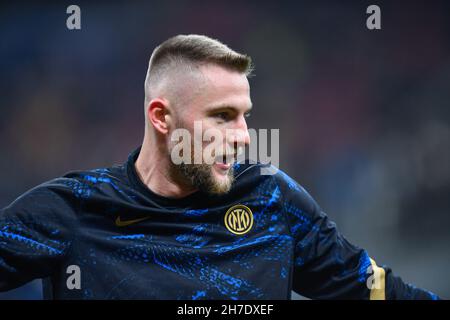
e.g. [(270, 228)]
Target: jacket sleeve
[(326, 265), (35, 233)]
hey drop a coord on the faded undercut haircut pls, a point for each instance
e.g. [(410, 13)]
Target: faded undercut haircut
[(182, 54)]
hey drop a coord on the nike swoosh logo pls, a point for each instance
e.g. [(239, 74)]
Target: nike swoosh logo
[(122, 223)]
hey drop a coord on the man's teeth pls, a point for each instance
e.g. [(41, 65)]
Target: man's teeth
[(223, 159)]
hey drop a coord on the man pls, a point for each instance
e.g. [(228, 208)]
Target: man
[(156, 229)]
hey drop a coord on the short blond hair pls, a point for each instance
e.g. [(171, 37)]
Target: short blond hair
[(186, 52)]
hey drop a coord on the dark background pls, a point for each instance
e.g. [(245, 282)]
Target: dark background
[(363, 115)]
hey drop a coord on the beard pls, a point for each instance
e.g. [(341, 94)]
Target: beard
[(202, 177)]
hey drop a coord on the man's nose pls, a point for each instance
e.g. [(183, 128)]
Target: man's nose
[(241, 134)]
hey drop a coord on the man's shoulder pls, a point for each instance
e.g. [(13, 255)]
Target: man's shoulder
[(81, 183), (258, 173), (278, 182), (106, 174), (263, 172), (64, 190)]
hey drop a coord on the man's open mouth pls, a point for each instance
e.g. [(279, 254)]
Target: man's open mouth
[(224, 162)]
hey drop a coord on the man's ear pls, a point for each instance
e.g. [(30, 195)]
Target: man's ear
[(159, 115)]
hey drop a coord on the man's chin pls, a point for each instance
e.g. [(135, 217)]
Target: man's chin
[(215, 179), (221, 169), (223, 178)]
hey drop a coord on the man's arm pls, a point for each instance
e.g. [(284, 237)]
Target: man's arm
[(35, 233), (326, 265)]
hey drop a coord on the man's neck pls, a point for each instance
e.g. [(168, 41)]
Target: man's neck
[(154, 171)]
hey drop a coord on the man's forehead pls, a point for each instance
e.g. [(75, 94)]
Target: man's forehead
[(222, 77), (222, 84)]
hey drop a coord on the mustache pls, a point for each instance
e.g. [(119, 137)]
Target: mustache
[(228, 157), (230, 153)]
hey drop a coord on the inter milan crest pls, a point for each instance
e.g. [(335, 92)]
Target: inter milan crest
[(239, 219)]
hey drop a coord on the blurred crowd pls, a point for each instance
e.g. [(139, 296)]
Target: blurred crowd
[(364, 115)]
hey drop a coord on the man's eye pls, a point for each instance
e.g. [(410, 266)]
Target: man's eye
[(222, 115)]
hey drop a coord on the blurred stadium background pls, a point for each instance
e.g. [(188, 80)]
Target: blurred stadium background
[(363, 115)]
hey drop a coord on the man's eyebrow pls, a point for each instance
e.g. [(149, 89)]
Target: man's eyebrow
[(221, 107)]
